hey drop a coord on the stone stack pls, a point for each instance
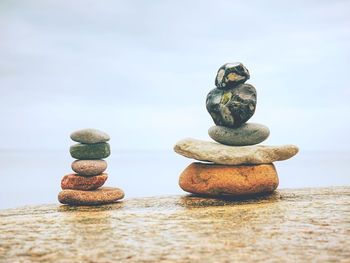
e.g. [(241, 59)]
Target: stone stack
[(237, 165), (84, 186)]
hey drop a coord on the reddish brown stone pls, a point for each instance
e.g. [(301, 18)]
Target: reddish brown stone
[(214, 179), (76, 182), (103, 195)]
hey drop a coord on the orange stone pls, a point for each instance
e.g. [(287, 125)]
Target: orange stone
[(216, 179), (76, 182)]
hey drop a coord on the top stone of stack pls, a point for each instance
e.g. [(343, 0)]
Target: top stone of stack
[(89, 136), (231, 74)]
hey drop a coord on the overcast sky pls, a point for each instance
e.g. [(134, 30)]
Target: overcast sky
[(141, 70)]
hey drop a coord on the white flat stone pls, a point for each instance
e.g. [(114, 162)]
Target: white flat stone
[(233, 155)]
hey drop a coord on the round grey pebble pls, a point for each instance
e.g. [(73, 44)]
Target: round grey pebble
[(89, 167), (89, 136), (246, 134)]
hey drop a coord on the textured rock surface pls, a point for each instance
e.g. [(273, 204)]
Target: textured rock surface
[(76, 182), (90, 151), (231, 107), (89, 136), (89, 167), (231, 74), (233, 155), (246, 134), (214, 179), (102, 195), (291, 225)]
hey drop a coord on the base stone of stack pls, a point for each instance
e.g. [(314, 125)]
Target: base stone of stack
[(103, 195), (222, 180)]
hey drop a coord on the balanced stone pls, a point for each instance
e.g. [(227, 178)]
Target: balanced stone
[(90, 151), (246, 134), (103, 195), (213, 179), (76, 182), (233, 155), (233, 106), (89, 167), (89, 136), (231, 74)]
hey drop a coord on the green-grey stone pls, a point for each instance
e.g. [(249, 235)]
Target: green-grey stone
[(246, 134), (90, 151)]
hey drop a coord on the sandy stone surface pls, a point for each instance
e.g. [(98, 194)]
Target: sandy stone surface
[(233, 155), (214, 179), (290, 225), (76, 182)]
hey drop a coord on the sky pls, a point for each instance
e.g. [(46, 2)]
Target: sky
[(141, 70)]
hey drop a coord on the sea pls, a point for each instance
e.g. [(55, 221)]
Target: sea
[(33, 177)]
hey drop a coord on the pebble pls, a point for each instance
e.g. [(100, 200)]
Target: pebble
[(89, 136), (223, 180), (76, 182), (246, 134), (103, 195), (231, 74), (90, 151), (89, 167), (233, 155), (233, 106)]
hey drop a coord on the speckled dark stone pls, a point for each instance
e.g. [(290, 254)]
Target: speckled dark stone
[(90, 151), (230, 75), (232, 107)]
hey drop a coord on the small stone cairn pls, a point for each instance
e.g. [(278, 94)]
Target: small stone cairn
[(84, 186), (237, 165)]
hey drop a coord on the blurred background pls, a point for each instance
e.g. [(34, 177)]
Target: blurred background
[(141, 70)]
